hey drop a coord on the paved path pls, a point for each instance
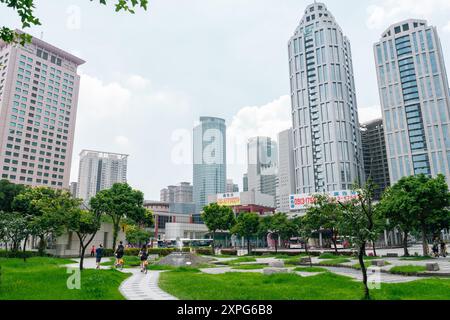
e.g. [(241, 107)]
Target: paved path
[(138, 286), (142, 286)]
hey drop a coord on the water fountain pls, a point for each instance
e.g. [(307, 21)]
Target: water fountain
[(182, 259)]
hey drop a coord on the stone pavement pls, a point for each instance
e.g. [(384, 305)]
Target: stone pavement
[(138, 286), (142, 286)]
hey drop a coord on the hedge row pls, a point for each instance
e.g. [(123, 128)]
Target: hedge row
[(204, 251), (20, 254)]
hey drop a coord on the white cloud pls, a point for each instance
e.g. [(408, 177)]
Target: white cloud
[(369, 113), (131, 116), (251, 121), (447, 27), (386, 12)]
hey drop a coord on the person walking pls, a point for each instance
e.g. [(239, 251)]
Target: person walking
[(93, 251), (443, 249), (119, 255), (143, 255), (435, 248), (98, 255)]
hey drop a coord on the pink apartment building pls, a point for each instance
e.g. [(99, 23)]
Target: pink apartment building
[(39, 88)]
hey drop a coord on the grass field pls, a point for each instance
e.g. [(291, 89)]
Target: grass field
[(407, 270), (46, 279), (325, 286)]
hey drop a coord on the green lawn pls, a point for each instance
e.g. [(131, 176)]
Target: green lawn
[(46, 279), (238, 260), (367, 263), (250, 266), (407, 270), (334, 262), (325, 286), (310, 269)]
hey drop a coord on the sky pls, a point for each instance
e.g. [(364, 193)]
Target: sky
[(148, 77)]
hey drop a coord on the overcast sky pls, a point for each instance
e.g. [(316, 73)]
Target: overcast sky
[(150, 76)]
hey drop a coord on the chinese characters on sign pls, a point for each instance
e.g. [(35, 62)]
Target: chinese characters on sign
[(302, 201), (229, 199)]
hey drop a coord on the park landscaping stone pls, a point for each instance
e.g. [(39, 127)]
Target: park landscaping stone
[(270, 271), (432, 267), (276, 264), (378, 263)]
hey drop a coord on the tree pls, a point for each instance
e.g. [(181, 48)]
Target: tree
[(303, 229), (280, 227), (84, 224), (25, 10), (136, 235), (8, 191), (417, 203), (326, 214), (119, 202), (247, 226), (359, 222), (45, 211), (217, 218), (13, 229)]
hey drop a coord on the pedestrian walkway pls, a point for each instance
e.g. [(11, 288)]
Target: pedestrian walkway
[(142, 286), (139, 286)]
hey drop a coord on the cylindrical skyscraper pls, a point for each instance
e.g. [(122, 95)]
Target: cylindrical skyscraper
[(327, 141)]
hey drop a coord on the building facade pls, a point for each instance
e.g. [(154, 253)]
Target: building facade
[(231, 186), (327, 141), (415, 100), (245, 182), (177, 194), (286, 171), (262, 165), (39, 88), (375, 157), (209, 153), (99, 171)]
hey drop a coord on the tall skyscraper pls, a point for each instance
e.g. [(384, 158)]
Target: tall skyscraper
[(327, 141), (245, 182), (99, 171), (39, 88), (209, 160), (286, 171), (415, 100), (375, 157)]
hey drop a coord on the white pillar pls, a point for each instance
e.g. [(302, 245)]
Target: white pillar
[(320, 239), (386, 238)]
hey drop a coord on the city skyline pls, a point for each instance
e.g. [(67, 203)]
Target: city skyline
[(269, 86)]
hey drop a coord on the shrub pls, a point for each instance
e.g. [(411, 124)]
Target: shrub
[(20, 254), (204, 251), (229, 252), (131, 252)]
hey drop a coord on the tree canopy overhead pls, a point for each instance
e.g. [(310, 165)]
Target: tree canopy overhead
[(25, 10)]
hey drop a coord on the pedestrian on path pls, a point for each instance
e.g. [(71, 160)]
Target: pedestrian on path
[(119, 255), (143, 254), (93, 251), (98, 255)]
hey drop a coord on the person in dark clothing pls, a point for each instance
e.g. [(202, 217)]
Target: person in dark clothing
[(443, 249), (143, 255), (98, 255), (120, 251)]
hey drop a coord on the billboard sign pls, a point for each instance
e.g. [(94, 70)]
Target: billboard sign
[(229, 199), (303, 201)]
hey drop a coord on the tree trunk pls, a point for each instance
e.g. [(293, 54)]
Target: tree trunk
[(116, 227), (214, 243), (24, 250), (424, 240), (276, 244), (83, 250), (364, 271), (405, 243), (41, 248), (374, 249), (334, 239)]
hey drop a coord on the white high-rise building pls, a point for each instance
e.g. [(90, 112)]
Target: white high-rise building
[(262, 165), (99, 171), (327, 141), (39, 87), (415, 100), (286, 171)]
